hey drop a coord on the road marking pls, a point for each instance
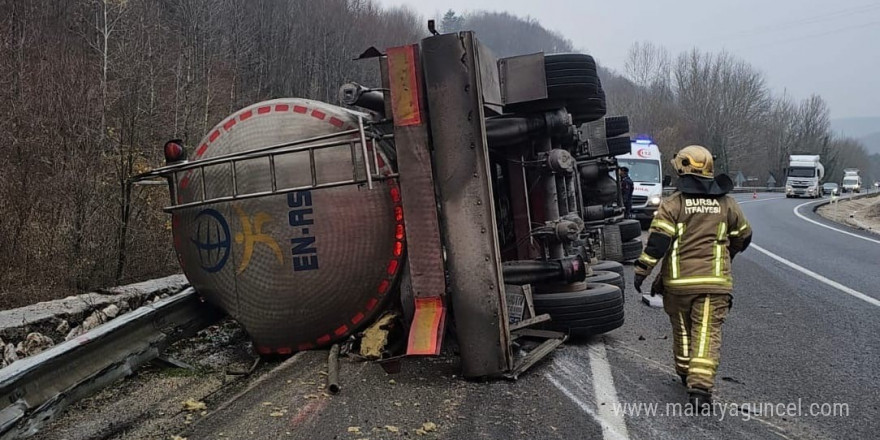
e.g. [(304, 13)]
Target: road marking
[(612, 423), (606, 394), (818, 277), (803, 217)]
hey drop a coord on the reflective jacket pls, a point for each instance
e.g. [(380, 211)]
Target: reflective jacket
[(698, 234)]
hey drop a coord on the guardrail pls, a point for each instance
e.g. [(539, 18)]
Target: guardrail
[(742, 189), (37, 389), (748, 189)]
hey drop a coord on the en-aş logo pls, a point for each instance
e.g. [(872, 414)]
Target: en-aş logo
[(251, 234), (211, 240)]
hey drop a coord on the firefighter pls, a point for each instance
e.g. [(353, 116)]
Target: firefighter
[(697, 231), (626, 189)]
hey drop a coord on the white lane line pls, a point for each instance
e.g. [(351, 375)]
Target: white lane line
[(818, 277), (606, 394), (610, 420), (803, 217)]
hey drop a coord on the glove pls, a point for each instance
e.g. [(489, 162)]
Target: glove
[(657, 286), (637, 282)]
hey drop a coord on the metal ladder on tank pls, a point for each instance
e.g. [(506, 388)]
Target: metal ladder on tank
[(270, 153)]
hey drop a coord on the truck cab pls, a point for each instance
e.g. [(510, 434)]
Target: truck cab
[(852, 182), (804, 176), (646, 172)]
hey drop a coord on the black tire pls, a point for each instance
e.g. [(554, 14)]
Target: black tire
[(632, 249), (572, 314), (616, 126), (565, 73), (607, 277), (589, 312), (612, 243), (566, 58), (577, 80), (585, 332), (619, 145), (574, 92), (608, 266), (630, 229)]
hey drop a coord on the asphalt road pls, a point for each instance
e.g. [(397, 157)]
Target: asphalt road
[(802, 341)]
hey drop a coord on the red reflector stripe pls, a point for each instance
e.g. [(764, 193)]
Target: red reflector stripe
[(380, 161), (264, 110), (214, 136), (383, 286), (336, 121), (246, 115), (264, 350), (305, 346), (319, 114), (341, 330), (398, 213), (392, 267), (395, 195), (398, 249), (282, 108), (285, 350), (426, 331), (371, 304), (324, 339), (357, 318), (398, 234), (184, 182), (405, 90), (229, 124), (300, 109), (201, 150)]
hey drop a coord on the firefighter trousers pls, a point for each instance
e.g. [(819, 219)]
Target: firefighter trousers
[(696, 328)]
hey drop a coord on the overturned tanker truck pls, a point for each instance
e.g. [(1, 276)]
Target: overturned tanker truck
[(453, 193)]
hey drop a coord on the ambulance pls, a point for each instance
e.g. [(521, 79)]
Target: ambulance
[(646, 172)]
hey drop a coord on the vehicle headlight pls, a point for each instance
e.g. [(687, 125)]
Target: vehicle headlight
[(811, 188), (655, 200)]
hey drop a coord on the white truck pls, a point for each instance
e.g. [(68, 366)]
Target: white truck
[(804, 176), (646, 172), (852, 182)]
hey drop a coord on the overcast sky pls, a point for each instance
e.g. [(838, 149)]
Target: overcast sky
[(803, 46)]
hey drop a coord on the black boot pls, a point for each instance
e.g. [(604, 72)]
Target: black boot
[(684, 379), (700, 400)]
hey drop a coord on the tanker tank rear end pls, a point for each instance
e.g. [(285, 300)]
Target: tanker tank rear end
[(292, 244)]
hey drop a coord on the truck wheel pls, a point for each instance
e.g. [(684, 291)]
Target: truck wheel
[(608, 277), (608, 266), (616, 126), (619, 145), (632, 250), (612, 243), (562, 60), (629, 229), (598, 309)]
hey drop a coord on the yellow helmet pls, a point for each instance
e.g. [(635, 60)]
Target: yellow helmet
[(694, 160)]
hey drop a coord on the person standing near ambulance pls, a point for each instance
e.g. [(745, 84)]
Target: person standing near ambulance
[(697, 231), (626, 189)]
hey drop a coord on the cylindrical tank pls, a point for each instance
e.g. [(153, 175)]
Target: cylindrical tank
[(297, 268)]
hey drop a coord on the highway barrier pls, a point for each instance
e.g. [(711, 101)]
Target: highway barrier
[(37, 389)]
